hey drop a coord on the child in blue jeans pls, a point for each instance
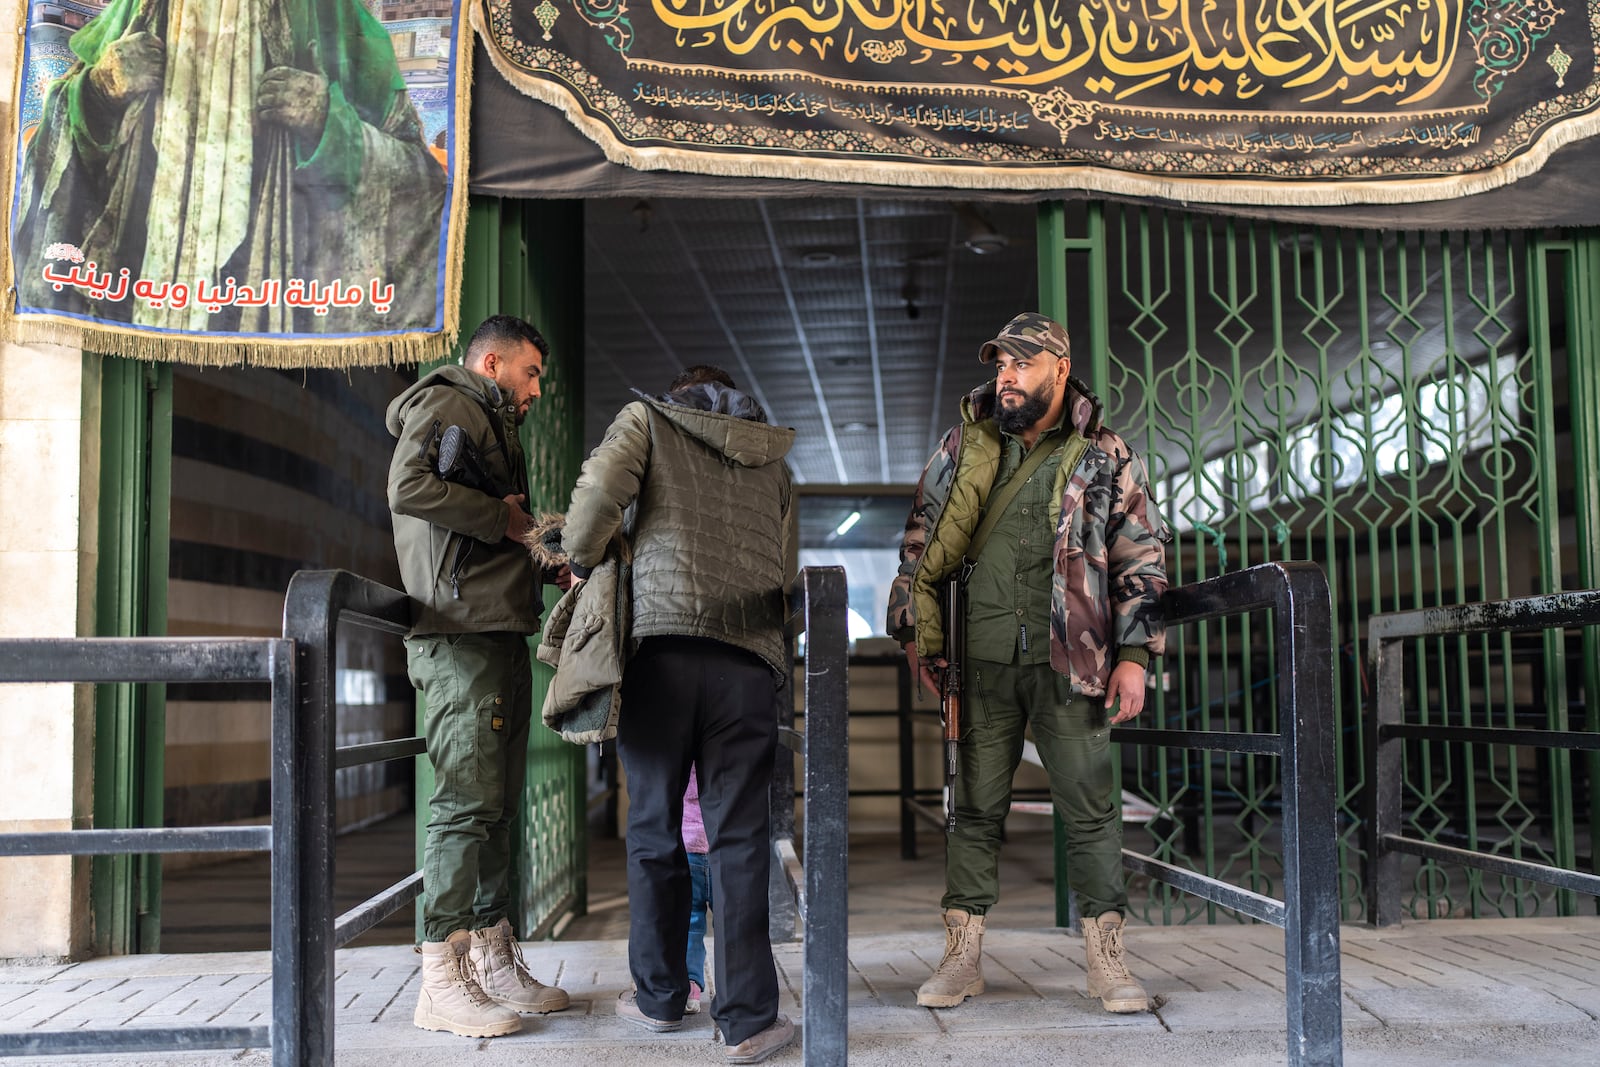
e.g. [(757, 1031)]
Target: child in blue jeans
[(695, 844)]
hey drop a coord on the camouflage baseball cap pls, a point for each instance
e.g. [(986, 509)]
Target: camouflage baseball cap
[(1026, 336)]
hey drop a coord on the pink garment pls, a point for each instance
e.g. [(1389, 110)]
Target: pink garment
[(694, 827)]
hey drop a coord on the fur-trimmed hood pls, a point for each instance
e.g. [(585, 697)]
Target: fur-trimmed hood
[(544, 540)]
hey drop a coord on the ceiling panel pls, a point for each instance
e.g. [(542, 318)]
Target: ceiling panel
[(855, 322)]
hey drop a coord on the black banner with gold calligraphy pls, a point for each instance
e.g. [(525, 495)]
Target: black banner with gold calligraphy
[(1313, 102)]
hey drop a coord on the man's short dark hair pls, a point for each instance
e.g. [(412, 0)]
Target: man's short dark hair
[(701, 374), (497, 331)]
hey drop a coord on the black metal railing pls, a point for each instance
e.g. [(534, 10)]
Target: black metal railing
[(1297, 594), (317, 604), (161, 660), (814, 892), (301, 668), (1385, 772)]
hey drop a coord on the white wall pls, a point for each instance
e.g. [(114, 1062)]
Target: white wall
[(49, 417)]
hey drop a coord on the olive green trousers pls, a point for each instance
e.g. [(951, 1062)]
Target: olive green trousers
[(1074, 743), (477, 698)]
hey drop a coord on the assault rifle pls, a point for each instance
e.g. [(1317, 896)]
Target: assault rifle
[(459, 462), (955, 640)]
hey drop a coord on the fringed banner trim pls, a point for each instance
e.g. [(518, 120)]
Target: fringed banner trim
[(456, 235), (219, 350)]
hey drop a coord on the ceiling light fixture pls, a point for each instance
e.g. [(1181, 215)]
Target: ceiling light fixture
[(910, 291), (643, 212), (980, 237), (849, 521)]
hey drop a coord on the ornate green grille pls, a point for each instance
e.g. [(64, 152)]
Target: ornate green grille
[(1392, 406)]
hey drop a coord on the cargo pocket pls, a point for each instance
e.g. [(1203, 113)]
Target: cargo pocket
[(421, 653), (1082, 718), (975, 706), (493, 726)]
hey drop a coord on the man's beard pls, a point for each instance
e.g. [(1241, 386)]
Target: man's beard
[(510, 393), (1034, 407)]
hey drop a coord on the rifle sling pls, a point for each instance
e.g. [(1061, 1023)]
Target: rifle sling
[(1002, 497)]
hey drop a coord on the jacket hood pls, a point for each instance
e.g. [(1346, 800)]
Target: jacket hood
[(394, 417), (726, 420), (543, 539), (1083, 407), (709, 396)]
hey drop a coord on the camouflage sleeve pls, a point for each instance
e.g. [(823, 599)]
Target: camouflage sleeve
[(933, 490), (1136, 558)]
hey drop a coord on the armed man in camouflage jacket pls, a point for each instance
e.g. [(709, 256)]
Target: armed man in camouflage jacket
[(1076, 553)]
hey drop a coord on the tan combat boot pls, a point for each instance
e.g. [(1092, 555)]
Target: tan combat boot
[(497, 958), (960, 973), (1108, 974), (451, 998)]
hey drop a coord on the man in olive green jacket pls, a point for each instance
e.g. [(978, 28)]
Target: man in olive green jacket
[(699, 477), (457, 486), (1045, 515)]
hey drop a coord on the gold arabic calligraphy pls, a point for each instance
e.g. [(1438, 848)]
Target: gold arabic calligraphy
[(1338, 51)]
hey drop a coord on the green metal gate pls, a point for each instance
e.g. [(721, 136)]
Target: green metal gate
[(1416, 412)]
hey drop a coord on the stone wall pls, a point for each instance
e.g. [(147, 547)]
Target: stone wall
[(49, 468)]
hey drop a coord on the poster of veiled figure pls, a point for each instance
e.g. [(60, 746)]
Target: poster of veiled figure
[(273, 181), (1314, 102)]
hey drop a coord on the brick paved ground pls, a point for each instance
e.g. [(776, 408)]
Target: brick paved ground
[(1450, 992)]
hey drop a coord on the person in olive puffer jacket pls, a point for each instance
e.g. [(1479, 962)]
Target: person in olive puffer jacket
[(475, 599), (696, 480)]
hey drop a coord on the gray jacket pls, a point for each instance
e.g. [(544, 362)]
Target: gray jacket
[(585, 640), (712, 500)]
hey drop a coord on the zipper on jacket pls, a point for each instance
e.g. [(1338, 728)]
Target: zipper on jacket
[(457, 565)]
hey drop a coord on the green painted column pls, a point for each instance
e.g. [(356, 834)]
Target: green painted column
[(1583, 370), (1054, 246), (1052, 249), (131, 601)]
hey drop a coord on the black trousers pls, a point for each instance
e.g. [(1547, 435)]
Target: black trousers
[(692, 701)]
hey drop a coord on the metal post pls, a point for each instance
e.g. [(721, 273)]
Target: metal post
[(1310, 826), (908, 761), (1052, 247), (1066, 899), (288, 948), (827, 813), (1297, 592), (782, 912), (158, 551), (1583, 348), (1385, 782), (309, 617)]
